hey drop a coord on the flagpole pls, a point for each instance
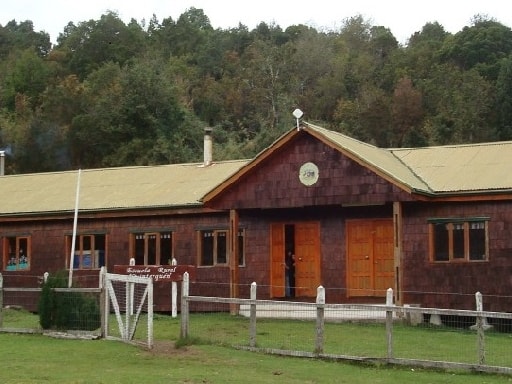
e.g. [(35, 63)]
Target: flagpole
[(73, 242)]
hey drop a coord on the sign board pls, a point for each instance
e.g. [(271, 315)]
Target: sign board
[(164, 273)]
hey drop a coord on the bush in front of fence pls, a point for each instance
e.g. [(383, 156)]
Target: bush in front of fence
[(64, 309)]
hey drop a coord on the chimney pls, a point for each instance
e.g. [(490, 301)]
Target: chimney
[(208, 146), (2, 163)]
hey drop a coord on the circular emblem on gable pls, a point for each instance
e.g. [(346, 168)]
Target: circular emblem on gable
[(308, 173)]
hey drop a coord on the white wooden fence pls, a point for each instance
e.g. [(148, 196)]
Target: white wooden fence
[(321, 312)]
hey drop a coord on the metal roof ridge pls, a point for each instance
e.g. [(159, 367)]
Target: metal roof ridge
[(430, 190), (318, 128), (392, 175), (126, 167)]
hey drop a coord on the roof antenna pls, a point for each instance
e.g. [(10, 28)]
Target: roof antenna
[(298, 114)]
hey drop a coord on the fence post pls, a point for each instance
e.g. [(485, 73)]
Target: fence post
[(184, 305), (252, 323), (1, 301), (320, 319), (150, 314), (174, 294), (480, 329), (103, 298), (389, 322), (106, 304), (130, 295)]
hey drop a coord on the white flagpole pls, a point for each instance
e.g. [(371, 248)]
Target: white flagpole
[(73, 242)]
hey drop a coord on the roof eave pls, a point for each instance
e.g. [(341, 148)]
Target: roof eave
[(89, 211), (366, 163), (503, 194)]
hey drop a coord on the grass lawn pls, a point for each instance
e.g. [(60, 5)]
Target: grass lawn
[(41, 359), (356, 339)]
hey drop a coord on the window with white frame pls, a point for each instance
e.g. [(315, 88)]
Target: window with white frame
[(453, 240), (17, 253), (152, 248)]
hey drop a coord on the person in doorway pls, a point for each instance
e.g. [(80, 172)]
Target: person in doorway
[(290, 274)]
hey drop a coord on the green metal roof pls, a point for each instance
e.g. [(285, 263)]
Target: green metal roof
[(461, 168), (112, 188), (455, 169), (450, 169), (379, 159)]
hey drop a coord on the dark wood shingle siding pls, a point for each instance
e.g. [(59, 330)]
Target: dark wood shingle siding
[(450, 284), (275, 182)]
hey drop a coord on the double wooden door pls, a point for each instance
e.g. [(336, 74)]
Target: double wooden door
[(370, 259), (303, 239)]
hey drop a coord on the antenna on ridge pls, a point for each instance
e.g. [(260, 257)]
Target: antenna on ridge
[(298, 114)]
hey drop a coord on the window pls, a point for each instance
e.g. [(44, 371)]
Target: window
[(459, 239), (17, 253), (152, 248), (214, 247), (89, 251)]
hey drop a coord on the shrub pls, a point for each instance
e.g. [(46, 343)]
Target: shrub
[(67, 310)]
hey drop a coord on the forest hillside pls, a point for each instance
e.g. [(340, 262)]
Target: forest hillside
[(113, 94)]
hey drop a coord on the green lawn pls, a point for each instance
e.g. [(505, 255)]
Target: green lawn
[(40, 359), (357, 339)]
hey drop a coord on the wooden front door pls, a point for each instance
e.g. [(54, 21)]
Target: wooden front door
[(370, 260), (277, 268), (307, 259), (304, 241)]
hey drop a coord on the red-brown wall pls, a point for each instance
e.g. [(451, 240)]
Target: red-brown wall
[(49, 253), (453, 285), (275, 183)]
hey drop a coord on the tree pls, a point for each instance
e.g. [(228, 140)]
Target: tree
[(459, 106), (431, 33), (383, 46), (190, 33), (21, 36), (15, 131), (422, 52), (504, 99), (266, 75), (359, 58), (311, 61), (406, 114), (25, 73), (376, 117), (270, 33), (480, 46), (95, 42), (132, 117), (353, 68)]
